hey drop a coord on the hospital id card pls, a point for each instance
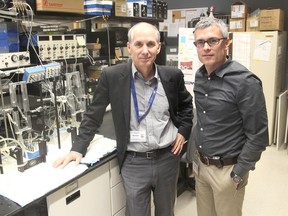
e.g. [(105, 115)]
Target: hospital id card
[(137, 136)]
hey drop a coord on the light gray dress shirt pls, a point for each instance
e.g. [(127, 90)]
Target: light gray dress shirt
[(160, 130)]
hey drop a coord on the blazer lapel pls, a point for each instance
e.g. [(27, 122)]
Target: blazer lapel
[(125, 81), (167, 84)]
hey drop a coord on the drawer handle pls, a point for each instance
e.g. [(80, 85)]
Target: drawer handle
[(72, 197)]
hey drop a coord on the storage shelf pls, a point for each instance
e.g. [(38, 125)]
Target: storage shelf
[(76, 16)]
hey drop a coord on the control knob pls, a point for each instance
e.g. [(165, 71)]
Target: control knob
[(14, 58)]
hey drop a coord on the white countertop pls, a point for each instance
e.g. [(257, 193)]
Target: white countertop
[(23, 188)]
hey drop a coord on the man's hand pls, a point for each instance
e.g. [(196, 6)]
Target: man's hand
[(178, 144), (63, 161)]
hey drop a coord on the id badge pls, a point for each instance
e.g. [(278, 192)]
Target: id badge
[(137, 136)]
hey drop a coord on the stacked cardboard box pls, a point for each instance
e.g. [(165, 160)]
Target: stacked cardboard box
[(60, 6), (239, 11), (120, 8), (272, 20), (253, 21)]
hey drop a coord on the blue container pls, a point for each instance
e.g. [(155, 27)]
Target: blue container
[(9, 37), (4, 47)]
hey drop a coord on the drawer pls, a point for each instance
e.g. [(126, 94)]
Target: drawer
[(84, 196), (118, 198)]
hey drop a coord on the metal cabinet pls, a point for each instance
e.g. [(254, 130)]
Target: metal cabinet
[(88, 195)]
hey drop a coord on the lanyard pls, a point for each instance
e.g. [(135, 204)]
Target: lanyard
[(150, 102)]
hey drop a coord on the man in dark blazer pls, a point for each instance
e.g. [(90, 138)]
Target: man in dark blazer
[(152, 114)]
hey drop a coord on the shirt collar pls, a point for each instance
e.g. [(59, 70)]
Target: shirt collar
[(220, 71), (134, 71)]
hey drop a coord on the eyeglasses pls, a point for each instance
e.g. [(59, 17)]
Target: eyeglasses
[(211, 42)]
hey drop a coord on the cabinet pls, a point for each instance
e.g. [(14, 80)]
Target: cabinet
[(100, 191), (118, 199), (91, 194), (264, 54)]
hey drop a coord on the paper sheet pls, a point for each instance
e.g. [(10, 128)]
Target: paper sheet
[(262, 50), (241, 52)]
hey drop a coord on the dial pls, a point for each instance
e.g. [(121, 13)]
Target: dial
[(14, 58)]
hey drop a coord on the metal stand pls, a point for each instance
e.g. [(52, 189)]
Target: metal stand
[(73, 131), (18, 155), (56, 113)]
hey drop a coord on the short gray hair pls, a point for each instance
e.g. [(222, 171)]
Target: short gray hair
[(209, 21), (131, 30)]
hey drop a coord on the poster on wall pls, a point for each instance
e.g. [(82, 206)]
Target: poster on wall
[(188, 60)]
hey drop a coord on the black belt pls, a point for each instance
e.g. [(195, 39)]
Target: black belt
[(150, 154), (217, 161)]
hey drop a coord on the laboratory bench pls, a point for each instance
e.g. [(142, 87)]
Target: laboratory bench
[(97, 189), (91, 190)]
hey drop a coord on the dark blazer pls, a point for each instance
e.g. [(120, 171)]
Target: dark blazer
[(114, 88)]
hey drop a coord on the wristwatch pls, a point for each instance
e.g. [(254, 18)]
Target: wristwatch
[(237, 179)]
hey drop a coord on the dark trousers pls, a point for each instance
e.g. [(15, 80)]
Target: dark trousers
[(141, 176)]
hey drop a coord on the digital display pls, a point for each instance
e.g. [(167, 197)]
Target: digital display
[(56, 37), (43, 38), (68, 37)]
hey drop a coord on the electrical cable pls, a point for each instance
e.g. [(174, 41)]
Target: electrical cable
[(90, 58), (91, 18), (26, 14), (31, 21)]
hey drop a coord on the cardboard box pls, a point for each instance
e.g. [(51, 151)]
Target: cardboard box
[(239, 9), (237, 25), (60, 6), (271, 20), (253, 24), (120, 8)]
